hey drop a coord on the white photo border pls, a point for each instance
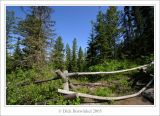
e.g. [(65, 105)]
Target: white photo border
[(86, 109)]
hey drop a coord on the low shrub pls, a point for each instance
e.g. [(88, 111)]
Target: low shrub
[(32, 93), (113, 65)]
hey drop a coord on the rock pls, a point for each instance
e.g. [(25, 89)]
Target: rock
[(149, 94)]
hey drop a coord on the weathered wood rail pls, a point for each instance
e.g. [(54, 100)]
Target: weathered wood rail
[(105, 98), (65, 77), (106, 73)]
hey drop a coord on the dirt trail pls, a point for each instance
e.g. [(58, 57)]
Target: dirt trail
[(139, 100)]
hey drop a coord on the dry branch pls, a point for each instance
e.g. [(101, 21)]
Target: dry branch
[(92, 84), (37, 82)]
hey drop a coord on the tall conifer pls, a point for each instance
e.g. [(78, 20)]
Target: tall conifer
[(68, 57), (74, 56)]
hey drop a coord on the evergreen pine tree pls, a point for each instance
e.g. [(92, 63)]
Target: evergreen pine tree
[(58, 54), (128, 25), (80, 61), (68, 57), (74, 56), (91, 49), (112, 30), (100, 39), (18, 55), (43, 13), (33, 41), (10, 29), (35, 30), (138, 34), (144, 31)]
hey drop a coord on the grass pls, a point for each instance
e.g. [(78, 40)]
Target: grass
[(101, 91), (83, 90)]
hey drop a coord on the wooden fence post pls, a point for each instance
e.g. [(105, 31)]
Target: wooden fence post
[(66, 84), (64, 78)]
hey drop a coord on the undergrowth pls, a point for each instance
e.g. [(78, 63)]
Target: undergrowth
[(34, 93), (46, 93)]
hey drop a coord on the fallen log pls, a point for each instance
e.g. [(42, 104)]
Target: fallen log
[(105, 98)]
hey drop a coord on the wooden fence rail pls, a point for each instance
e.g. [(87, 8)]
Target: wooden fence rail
[(105, 98), (65, 77), (112, 72)]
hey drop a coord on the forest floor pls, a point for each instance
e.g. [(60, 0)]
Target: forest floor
[(139, 100)]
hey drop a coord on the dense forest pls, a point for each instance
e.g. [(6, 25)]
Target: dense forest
[(118, 40)]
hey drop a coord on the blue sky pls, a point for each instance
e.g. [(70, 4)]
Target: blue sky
[(71, 21)]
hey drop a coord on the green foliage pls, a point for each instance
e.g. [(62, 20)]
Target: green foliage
[(58, 54), (113, 65), (58, 101), (113, 30), (11, 21), (100, 38), (138, 23), (33, 50), (76, 101), (35, 31), (80, 62), (124, 86), (83, 90), (35, 93), (146, 59), (32, 93), (91, 49), (68, 58), (61, 101), (17, 55), (106, 92), (104, 36), (11, 29), (9, 63), (74, 56)]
